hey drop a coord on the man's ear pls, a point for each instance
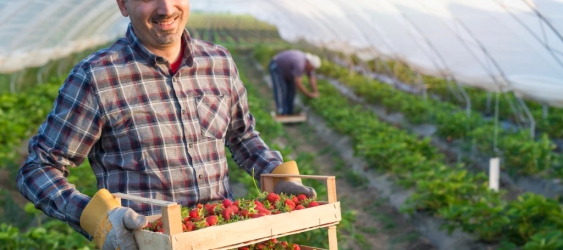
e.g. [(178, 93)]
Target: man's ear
[(123, 7)]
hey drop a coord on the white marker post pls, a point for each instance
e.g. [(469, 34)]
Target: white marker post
[(494, 170)]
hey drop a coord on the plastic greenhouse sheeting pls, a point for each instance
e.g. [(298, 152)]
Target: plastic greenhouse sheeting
[(497, 45), (32, 32)]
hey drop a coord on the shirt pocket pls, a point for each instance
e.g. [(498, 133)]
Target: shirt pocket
[(214, 115)]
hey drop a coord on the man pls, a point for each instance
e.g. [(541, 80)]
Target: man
[(287, 69), (153, 114)]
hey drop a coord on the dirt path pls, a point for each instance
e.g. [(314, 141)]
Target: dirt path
[(378, 225)]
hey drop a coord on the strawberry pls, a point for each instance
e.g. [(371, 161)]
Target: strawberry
[(301, 198), (313, 204), (160, 230), (284, 244), (227, 213), (227, 203), (258, 204), (245, 213), (189, 226), (290, 204), (296, 247), (243, 248), (194, 214), (212, 220), (253, 216), (295, 200), (272, 198), (274, 240), (299, 207), (261, 246), (199, 206), (235, 209), (236, 203)]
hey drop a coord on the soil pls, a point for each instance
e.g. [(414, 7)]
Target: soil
[(378, 224)]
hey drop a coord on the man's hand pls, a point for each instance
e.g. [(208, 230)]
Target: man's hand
[(291, 185), (110, 224), (295, 188), (314, 95), (123, 220)]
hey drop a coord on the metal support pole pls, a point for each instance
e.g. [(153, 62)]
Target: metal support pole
[(545, 112), (467, 99), (495, 133), (422, 84), (489, 95), (530, 117)]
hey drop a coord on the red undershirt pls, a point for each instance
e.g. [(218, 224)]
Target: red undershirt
[(176, 65)]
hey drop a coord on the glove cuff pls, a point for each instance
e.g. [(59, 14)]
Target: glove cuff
[(94, 218), (289, 167)]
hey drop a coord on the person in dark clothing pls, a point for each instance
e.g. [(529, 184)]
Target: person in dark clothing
[(287, 69)]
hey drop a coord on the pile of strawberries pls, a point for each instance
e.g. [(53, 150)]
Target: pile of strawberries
[(227, 212), (272, 244)]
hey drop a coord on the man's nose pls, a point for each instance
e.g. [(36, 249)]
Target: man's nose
[(165, 7)]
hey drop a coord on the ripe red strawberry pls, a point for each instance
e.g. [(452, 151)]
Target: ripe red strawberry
[(284, 243), (160, 230), (236, 203), (199, 206), (295, 200), (243, 248), (272, 198), (189, 226), (227, 203), (258, 204), (313, 204), (227, 213), (245, 213), (212, 220), (296, 247), (290, 204), (299, 207), (260, 246), (253, 216), (194, 214), (301, 197), (274, 240), (235, 209)]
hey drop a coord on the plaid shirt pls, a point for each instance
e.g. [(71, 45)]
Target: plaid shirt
[(145, 131)]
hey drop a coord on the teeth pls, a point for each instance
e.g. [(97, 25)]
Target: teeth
[(163, 23)]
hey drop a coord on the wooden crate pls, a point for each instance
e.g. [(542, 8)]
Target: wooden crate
[(240, 233), (301, 117)]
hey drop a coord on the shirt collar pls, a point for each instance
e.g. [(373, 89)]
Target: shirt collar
[(145, 53)]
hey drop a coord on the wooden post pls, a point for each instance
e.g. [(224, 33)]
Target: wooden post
[(332, 240), (267, 184), (331, 189), (172, 220)]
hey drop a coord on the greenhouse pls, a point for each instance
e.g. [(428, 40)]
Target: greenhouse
[(431, 124)]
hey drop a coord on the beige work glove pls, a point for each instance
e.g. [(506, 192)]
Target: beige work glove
[(291, 185), (110, 224)]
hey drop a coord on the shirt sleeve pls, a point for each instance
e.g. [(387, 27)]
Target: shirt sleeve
[(248, 150), (63, 141)]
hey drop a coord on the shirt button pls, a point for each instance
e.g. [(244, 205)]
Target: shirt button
[(183, 111), (200, 176), (191, 145)]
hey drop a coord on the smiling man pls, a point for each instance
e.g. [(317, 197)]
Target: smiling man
[(153, 114)]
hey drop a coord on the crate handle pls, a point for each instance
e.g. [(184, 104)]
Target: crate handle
[(171, 211), (267, 183)]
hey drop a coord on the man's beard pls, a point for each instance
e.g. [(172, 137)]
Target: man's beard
[(170, 36)]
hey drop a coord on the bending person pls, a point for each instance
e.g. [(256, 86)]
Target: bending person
[(287, 69)]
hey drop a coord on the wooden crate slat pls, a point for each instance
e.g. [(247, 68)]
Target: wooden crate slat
[(263, 227), (144, 200)]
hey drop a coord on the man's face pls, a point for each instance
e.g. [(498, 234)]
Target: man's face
[(158, 23)]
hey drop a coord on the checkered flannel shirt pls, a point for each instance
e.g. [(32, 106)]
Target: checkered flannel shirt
[(145, 131)]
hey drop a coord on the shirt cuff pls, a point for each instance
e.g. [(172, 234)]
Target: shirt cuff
[(75, 206)]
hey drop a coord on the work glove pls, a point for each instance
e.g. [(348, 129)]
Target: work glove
[(110, 224), (291, 185)]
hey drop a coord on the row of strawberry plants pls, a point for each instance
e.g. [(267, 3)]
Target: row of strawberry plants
[(461, 198), (522, 154), (481, 100)]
